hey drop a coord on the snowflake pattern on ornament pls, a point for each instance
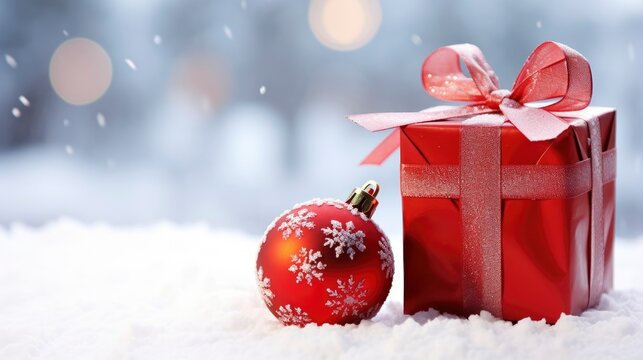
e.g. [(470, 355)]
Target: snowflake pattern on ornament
[(344, 240), (296, 223), (348, 298), (372, 311), (306, 265), (288, 316), (264, 287), (386, 255)]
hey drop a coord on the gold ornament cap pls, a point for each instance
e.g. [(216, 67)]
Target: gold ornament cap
[(363, 199)]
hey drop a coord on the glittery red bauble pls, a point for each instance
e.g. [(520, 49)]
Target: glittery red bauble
[(324, 262)]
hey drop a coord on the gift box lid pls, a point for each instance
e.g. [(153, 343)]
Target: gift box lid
[(438, 142)]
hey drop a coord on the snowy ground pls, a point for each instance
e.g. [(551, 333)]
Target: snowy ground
[(71, 291)]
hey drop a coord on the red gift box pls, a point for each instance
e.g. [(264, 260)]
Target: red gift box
[(506, 207)]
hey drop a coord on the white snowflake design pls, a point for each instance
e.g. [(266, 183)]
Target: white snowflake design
[(264, 287), (288, 316), (348, 298), (306, 265), (296, 223), (372, 311), (343, 240), (386, 255)]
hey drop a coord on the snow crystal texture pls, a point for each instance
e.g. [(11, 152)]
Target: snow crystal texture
[(73, 291)]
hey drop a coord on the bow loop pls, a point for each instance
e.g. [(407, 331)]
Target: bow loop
[(553, 71), (443, 78)]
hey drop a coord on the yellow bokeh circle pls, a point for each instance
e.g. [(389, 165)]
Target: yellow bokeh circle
[(344, 25)]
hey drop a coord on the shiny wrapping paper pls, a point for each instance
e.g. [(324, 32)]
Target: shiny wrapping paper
[(545, 244), (508, 202)]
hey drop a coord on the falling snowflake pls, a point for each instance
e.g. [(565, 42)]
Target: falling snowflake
[(631, 54), (11, 61), (69, 150), (158, 39), (343, 240), (416, 39), (264, 287), (262, 90), (16, 112), (296, 223), (100, 119), (539, 24), (288, 316), (386, 255), (306, 265), (66, 122), (227, 31), (23, 99), (130, 63), (348, 298), (65, 33)]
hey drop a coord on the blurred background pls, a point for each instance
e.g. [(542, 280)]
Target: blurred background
[(229, 112)]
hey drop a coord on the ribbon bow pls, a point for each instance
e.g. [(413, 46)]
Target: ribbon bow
[(552, 71)]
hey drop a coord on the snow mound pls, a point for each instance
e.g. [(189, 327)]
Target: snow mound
[(72, 291)]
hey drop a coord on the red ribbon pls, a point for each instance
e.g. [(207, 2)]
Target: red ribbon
[(552, 71)]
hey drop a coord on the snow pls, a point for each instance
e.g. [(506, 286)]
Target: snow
[(130, 63), (262, 90), (631, 54), (416, 39), (227, 31), (23, 99), (11, 61), (69, 150), (100, 119), (539, 24), (16, 112), (74, 291), (158, 40)]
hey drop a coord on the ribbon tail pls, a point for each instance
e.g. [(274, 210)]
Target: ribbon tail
[(597, 239), (384, 149), (383, 121), (536, 124)]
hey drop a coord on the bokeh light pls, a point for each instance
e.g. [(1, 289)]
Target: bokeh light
[(201, 78), (344, 24), (80, 71)]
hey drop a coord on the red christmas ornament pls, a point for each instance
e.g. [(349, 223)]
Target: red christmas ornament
[(326, 261)]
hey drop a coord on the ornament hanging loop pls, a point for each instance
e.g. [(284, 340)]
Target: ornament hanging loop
[(363, 199)]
